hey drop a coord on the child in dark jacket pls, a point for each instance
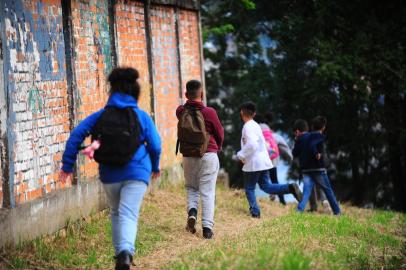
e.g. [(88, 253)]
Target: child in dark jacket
[(309, 147), (125, 185)]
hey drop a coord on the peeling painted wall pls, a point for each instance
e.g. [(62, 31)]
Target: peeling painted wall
[(3, 114), (57, 59), (189, 46), (92, 62), (132, 45), (37, 93), (166, 78)]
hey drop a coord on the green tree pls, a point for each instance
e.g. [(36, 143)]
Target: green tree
[(343, 60)]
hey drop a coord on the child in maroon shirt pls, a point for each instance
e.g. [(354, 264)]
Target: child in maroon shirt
[(201, 172)]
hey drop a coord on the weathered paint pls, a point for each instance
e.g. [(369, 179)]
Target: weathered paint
[(132, 45), (92, 61), (36, 89), (189, 46), (55, 75), (3, 112), (166, 78), (35, 101)]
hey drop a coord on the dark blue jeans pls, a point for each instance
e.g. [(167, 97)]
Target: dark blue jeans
[(262, 178), (321, 179), (273, 173)]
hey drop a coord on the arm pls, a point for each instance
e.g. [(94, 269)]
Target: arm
[(250, 146), (316, 146), (179, 111), (284, 149), (76, 138), (153, 143), (297, 148), (218, 130), (285, 152)]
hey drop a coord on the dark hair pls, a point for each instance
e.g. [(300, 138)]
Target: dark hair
[(269, 117), (319, 122), (248, 108), (192, 88), (124, 80), (259, 119), (300, 125)]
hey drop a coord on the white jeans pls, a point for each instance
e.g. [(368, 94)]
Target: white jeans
[(200, 181)]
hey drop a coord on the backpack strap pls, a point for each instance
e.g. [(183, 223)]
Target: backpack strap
[(177, 147)]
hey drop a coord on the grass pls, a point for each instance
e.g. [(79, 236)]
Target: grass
[(281, 239), (304, 241)]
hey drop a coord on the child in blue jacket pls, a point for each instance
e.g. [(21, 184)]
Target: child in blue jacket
[(309, 148), (125, 185)]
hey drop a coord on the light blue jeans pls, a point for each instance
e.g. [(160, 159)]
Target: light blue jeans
[(125, 200)]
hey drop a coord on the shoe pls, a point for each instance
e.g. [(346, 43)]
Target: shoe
[(207, 233), (326, 207), (282, 200), (256, 215), (191, 220), (294, 189), (124, 260), (272, 197)]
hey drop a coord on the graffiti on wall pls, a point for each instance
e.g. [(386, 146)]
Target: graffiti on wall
[(35, 101), (37, 87), (37, 92)]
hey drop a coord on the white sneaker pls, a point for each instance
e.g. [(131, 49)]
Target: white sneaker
[(326, 207)]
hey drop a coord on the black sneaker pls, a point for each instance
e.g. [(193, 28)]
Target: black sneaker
[(256, 215), (294, 189), (124, 260), (207, 233), (191, 220)]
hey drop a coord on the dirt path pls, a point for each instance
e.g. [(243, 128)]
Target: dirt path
[(231, 220)]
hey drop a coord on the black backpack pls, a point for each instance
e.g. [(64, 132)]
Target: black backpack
[(118, 131)]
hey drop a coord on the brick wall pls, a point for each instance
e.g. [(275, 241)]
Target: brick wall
[(39, 82), (166, 78), (92, 62), (3, 118), (37, 91), (132, 45), (189, 46)]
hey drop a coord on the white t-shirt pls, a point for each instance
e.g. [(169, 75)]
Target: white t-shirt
[(253, 149)]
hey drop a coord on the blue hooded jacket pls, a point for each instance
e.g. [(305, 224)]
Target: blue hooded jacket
[(145, 159)]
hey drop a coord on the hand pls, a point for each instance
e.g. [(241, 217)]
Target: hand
[(155, 175), (63, 176), (318, 156), (89, 150)]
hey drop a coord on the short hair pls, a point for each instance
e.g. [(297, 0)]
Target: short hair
[(124, 80), (300, 125), (319, 122), (248, 108), (260, 119), (192, 88), (269, 117)]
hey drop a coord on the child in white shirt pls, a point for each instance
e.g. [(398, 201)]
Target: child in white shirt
[(254, 155)]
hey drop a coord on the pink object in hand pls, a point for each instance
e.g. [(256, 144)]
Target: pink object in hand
[(89, 151)]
